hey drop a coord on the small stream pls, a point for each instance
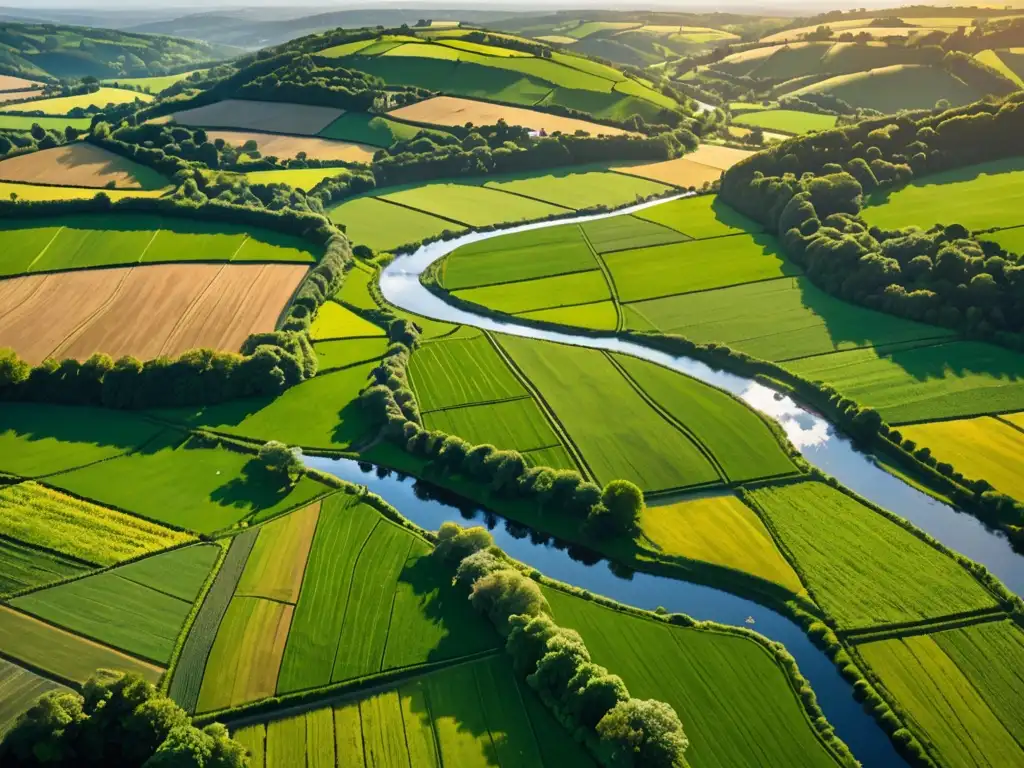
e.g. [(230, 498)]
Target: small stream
[(818, 441)]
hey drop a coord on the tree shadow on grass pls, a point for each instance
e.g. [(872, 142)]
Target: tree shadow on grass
[(254, 488), (954, 176)]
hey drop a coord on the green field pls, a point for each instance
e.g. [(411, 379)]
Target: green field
[(942, 699), (697, 265), (775, 320), (37, 440), (893, 88), (378, 131), (278, 558), (601, 316), (736, 704), (382, 226), (521, 256), (459, 372), (547, 292), (862, 568), (24, 123), (61, 654), (618, 233), (741, 442), (510, 424), (995, 189), (333, 321), (64, 104), (355, 291), (152, 84), (158, 597), (471, 715), (961, 378), (200, 489), (785, 121), (23, 566), (342, 353), (1011, 240), (96, 240), (472, 206), (699, 217), (582, 190), (19, 690), (300, 178), (610, 423), (42, 517)]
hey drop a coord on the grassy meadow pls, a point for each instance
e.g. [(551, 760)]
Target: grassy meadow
[(600, 316), (543, 293), (61, 105), (447, 373), (515, 424), (582, 190), (472, 206), (785, 121), (382, 226), (699, 217)]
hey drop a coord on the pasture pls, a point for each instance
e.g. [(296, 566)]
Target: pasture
[(472, 206), (699, 217), (778, 320), (333, 321), (266, 116), (382, 226), (608, 420), (154, 85), (785, 121), (736, 703), (995, 189), (508, 425), (19, 690), (859, 566), (739, 440), (525, 255), (300, 178), (948, 380), (81, 165), (157, 595), (453, 111), (448, 373), (61, 105), (681, 172), (1011, 240), (984, 447), (25, 122), (600, 316), (60, 654), (889, 89), (546, 292), (12, 83), (620, 233), (201, 489), (342, 353), (692, 527), (16, 191), (372, 130), (582, 190), (942, 701), (144, 311), (696, 265)]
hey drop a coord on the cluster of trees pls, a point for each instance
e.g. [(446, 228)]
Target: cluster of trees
[(118, 720), (811, 192), (593, 704), (152, 140), (501, 41), (14, 143)]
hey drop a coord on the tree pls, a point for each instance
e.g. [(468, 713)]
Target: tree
[(508, 593), (278, 458), (624, 502), (455, 543), (645, 733)]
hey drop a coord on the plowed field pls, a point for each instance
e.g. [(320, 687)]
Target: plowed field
[(286, 147), (449, 110), (81, 165), (278, 117)]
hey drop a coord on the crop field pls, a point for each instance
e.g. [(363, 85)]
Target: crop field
[(380, 225), (42, 517), (146, 311), (520, 256), (355, 291), (61, 105), (680, 172), (942, 701), (509, 424), (741, 442), (300, 178), (286, 146), (785, 121), (529, 295), (94, 606), (620, 233), (374, 130), (368, 583), (777, 320), (461, 372), (600, 316), (202, 489), (471, 205), (582, 190), (889, 89), (23, 566), (584, 389), (474, 714), (64, 656), (24, 123), (995, 189), (333, 321), (949, 380), (862, 568), (82, 165), (737, 704), (6, 96), (693, 528), (696, 265), (981, 448), (278, 558), (342, 353), (154, 84), (19, 690), (452, 111), (12, 83), (44, 192), (268, 116), (699, 217)]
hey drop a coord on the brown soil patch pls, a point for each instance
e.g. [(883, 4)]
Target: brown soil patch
[(287, 147), (680, 172), (142, 311), (77, 165), (12, 83), (718, 157), (276, 117), (448, 110), (20, 96)]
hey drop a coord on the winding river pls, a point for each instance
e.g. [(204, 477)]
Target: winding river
[(816, 438)]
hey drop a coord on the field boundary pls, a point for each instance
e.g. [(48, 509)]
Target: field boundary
[(565, 208), (44, 673), (613, 289), (459, 406), (561, 306), (709, 290), (42, 549), (891, 346), (518, 280), (425, 213), (922, 627)]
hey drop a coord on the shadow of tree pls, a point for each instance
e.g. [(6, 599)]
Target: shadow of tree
[(954, 176), (255, 487)]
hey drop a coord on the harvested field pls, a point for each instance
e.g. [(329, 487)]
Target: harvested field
[(19, 690), (80, 164), (681, 172), (61, 105), (718, 529), (36, 192), (452, 111), (19, 95), (285, 146), (143, 311), (61, 654), (12, 83), (269, 116)]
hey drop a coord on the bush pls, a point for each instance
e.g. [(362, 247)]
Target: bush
[(644, 734), (454, 543)]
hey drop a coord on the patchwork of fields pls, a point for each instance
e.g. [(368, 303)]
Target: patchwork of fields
[(61, 105)]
